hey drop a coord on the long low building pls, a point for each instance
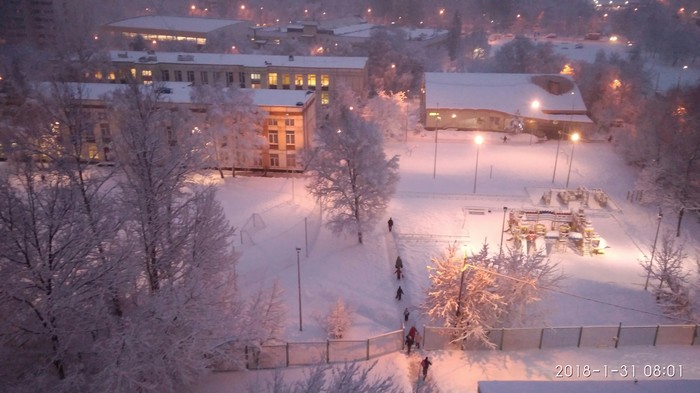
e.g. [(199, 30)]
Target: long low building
[(314, 73), (287, 125), (544, 105)]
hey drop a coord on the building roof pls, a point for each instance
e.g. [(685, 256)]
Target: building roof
[(262, 61), (506, 93), (172, 23), (180, 93)]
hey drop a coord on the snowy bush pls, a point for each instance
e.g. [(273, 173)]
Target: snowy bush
[(337, 321)]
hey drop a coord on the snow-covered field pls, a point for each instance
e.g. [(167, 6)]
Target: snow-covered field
[(428, 213)]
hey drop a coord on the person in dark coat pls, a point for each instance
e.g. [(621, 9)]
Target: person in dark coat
[(412, 331), (406, 313), (425, 364), (390, 223), (409, 343), (398, 273), (399, 293), (399, 263), (505, 138)]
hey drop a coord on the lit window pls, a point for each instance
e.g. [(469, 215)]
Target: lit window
[(285, 81), (325, 98), (147, 76), (298, 81), (325, 81), (272, 80), (133, 73), (255, 77), (312, 82)]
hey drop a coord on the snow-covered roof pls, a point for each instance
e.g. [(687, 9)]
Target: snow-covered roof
[(239, 59), (180, 93), (506, 93), (174, 23)]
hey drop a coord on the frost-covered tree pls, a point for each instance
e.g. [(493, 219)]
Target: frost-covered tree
[(672, 291), (524, 56), (231, 128), (349, 378), (494, 291), (350, 173), (337, 321), (55, 279), (390, 113)]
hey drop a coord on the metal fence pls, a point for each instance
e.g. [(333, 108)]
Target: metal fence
[(320, 352), (565, 337)]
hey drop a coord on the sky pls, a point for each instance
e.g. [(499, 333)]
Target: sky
[(429, 213)]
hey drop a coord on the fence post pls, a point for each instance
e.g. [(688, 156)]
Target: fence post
[(617, 339), (580, 333), (287, 353), (500, 343), (247, 366), (656, 335), (367, 349), (541, 336), (328, 351), (695, 335)]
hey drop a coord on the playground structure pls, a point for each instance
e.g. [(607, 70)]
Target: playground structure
[(560, 229)]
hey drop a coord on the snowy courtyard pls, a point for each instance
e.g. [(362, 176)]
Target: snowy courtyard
[(430, 213)]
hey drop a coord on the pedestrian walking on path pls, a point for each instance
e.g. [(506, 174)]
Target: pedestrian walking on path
[(399, 293), (390, 223), (425, 364), (409, 344), (398, 273), (406, 313), (399, 263), (412, 332)]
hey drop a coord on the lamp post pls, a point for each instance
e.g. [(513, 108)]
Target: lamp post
[(299, 286), (461, 283), (503, 224), (571, 120), (653, 248), (535, 105), (478, 140), (437, 125), (678, 84), (574, 138)]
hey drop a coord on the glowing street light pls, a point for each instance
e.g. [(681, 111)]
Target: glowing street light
[(574, 138), (478, 140)]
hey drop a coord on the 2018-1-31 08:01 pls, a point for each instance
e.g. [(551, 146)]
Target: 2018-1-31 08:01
[(622, 370)]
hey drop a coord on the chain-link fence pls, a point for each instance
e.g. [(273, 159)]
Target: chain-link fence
[(565, 337), (320, 352)]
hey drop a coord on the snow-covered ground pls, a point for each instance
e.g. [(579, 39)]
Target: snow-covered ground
[(428, 214)]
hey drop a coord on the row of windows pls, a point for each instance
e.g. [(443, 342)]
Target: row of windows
[(275, 160), (287, 122), (289, 139), (255, 79)]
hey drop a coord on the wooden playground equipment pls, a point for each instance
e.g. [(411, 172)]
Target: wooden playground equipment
[(560, 229)]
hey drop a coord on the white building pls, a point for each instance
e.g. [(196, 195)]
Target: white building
[(546, 103)]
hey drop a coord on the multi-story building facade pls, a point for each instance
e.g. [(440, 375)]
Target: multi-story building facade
[(309, 73), (287, 126)]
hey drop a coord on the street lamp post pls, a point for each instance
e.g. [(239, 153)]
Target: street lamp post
[(574, 138), (299, 287), (437, 125), (571, 120), (503, 224), (478, 140), (653, 248)]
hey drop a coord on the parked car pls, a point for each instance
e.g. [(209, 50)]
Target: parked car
[(578, 45)]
